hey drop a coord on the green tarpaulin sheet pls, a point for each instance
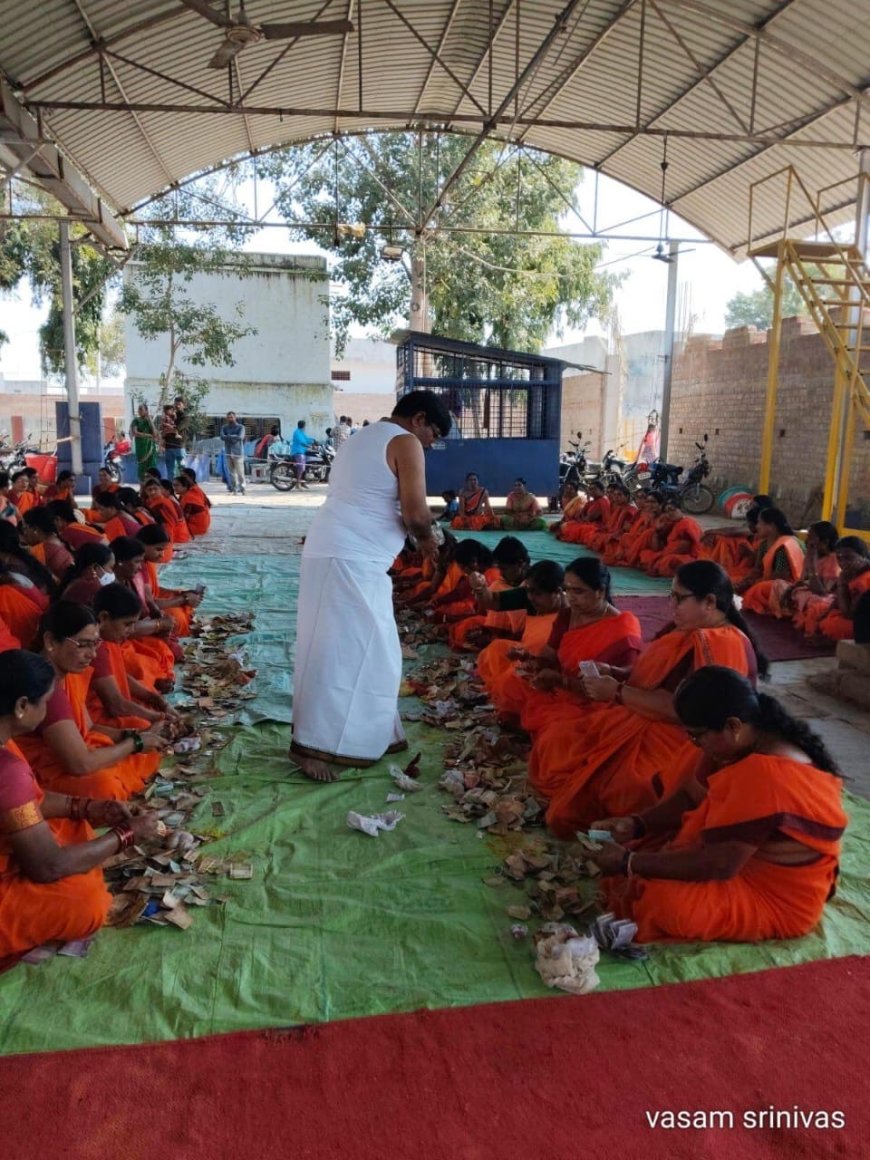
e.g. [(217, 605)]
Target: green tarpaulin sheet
[(335, 924)]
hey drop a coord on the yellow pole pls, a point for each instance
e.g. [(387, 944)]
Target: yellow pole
[(773, 345), (841, 382), (846, 466)]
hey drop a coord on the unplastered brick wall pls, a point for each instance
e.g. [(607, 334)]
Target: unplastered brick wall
[(583, 409), (719, 388)]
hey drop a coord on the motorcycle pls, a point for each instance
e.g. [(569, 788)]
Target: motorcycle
[(690, 493), (112, 462), (572, 464), (318, 464)]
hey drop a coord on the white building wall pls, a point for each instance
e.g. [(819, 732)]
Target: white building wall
[(282, 370)]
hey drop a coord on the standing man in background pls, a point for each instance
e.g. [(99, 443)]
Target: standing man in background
[(173, 442), (345, 699), (233, 436)]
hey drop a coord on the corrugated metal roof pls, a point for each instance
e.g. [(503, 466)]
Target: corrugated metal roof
[(737, 85)]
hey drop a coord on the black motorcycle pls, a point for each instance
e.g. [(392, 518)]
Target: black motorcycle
[(318, 464), (690, 493)]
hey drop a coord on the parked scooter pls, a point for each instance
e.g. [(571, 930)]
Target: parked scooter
[(112, 461)]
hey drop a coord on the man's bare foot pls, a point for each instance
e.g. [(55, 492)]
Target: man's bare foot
[(317, 770)]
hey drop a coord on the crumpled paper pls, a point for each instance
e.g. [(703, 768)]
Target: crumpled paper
[(405, 783), (374, 823), (566, 960)]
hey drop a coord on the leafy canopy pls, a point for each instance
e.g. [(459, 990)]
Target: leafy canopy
[(756, 309), (502, 287)]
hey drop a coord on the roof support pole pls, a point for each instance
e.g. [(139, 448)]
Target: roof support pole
[(670, 322), (773, 344), (69, 346)]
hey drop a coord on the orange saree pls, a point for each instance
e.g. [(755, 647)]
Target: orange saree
[(751, 800), (835, 625), (680, 547), (617, 551), (496, 669), (69, 702), (621, 518), (609, 761), (473, 515), (757, 598), (509, 624), (593, 518), (33, 913), (7, 638), (20, 614), (110, 663), (182, 615)]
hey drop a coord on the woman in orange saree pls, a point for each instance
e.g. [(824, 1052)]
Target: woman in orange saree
[(39, 534), (756, 826), (818, 577), (837, 623), (180, 604), (195, 511), (592, 519), (165, 511), (622, 515), (510, 560), (623, 754), (458, 601), (111, 516), (17, 610), (475, 512), (152, 642), (66, 752), (20, 494), (572, 506), (590, 628), (641, 534), (114, 697), (782, 559), (734, 549), (51, 887), (496, 664), (675, 542)]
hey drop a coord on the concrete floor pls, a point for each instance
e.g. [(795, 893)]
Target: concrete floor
[(266, 520)]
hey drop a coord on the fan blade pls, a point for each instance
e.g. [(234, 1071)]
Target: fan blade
[(227, 52), (203, 8), (312, 28)]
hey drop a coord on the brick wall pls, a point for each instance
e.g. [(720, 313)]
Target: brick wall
[(719, 388), (583, 401)]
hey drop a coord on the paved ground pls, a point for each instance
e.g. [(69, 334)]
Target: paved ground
[(266, 520)]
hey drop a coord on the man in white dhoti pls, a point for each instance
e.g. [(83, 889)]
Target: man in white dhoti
[(345, 710)]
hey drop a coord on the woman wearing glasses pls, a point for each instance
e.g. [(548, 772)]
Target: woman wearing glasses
[(66, 751), (625, 751), (754, 829), (51, 885)]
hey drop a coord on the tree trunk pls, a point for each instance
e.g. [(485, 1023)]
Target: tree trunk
[(418, 318)]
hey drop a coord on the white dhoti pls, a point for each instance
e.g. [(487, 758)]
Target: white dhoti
[(348, 663)]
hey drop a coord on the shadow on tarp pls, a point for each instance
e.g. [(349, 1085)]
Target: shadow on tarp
[(335, 924)]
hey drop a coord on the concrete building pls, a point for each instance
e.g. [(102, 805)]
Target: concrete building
[(281, 372)]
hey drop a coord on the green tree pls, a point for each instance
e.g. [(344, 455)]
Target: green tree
[(157, 294), (30, 252), (509, 287), (756, 309)]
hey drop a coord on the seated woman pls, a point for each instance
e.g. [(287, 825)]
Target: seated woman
[(675, 542), (73, 533), (132, 504), (195, 512), (114, 697), (734, 549), (152, 642), (458, 601), (622, 754), (834, 618), (63, 488), (180, 604), (26, 569), (511, 563), (647, 511), (65, 751), (8, 510), (818, 577), (755, 827), (523, 510), (622, 515), (195, 492), (110, 515), (782, 558), (165, 510), (436, 578), (591, 628), (39, 533), (571, 503), (545, 598), (93, 566), (20, 493), (51, 885), (639, 537), (475, 513), (592, 518)]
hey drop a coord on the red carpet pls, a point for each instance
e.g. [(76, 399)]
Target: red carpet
[(777, 638), (559, 1078)]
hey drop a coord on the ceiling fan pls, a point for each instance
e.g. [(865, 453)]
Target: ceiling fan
[(239, 32)]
